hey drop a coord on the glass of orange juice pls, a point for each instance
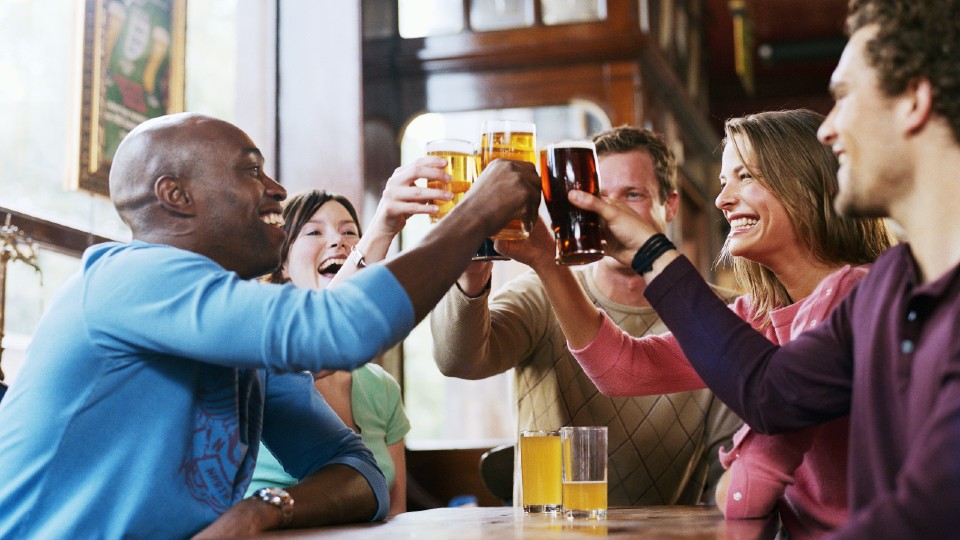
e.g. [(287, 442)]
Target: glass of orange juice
[(540, 471), (584, 451)]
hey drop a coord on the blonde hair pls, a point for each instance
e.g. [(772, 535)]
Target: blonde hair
[(790, 162)]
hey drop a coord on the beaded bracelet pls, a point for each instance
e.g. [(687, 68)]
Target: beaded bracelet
[(654, 247)]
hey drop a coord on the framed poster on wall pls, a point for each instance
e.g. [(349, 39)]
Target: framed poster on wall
[(133, 70)]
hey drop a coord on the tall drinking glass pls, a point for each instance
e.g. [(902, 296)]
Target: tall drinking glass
[(509, 139), (584, 471), (462, 166), (565, 166), (540, 471)]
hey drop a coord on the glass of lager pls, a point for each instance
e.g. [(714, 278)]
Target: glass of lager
[(462, 166), (540, 471), (565, 166), (509, 139), (584, 471)]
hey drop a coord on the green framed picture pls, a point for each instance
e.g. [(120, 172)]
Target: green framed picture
[(133, 70)]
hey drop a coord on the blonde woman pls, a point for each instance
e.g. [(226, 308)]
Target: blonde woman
[(796, 258)]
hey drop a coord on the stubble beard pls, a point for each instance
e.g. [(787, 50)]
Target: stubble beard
[(856, 202)]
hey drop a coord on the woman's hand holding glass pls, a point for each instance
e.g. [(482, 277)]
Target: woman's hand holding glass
[(624, 229), (402, 198)]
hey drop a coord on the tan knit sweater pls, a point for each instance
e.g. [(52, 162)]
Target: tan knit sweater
[(663, 449)]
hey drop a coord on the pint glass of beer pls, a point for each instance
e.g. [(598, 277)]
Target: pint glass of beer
[(509, 139), (540, 471), (462, 166), (584, 451), (565, 166)]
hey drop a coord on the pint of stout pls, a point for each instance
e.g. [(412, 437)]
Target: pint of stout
[(462, 166), (509, 139), (565, 166)]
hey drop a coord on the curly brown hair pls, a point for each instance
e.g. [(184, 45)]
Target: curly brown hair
[(915, 38), (623, 139)]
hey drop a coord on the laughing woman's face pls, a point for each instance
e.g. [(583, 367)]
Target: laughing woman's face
[(322, 246)]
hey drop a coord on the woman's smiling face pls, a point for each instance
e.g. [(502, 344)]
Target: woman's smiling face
[(760, 227), (321, 247)]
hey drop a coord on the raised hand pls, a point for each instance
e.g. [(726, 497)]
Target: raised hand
[(624, 230), (402, 198), (538, 250), (505, 189)]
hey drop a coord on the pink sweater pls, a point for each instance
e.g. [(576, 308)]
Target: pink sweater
[(803, 473)]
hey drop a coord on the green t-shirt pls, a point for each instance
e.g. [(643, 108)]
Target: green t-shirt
[(377, 411)]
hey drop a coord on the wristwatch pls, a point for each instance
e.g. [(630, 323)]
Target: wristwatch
[(279, 498), (356, 257)]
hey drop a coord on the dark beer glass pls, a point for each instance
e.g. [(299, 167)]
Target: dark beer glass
[(565, 166)]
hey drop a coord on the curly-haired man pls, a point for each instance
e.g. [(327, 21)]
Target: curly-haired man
[(889, 354)]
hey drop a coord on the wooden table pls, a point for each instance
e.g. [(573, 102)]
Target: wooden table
[(494, 523)]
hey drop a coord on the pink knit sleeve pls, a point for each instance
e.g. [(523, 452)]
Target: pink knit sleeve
[(760, 468), (623, 365), (829, 292)]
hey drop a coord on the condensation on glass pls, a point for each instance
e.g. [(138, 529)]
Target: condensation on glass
[(555, 12)]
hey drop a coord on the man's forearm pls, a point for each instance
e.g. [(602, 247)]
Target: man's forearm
[(427, 271), (579, 318), (461, 338), (334, 494)]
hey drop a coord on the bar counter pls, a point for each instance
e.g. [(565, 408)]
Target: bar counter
[(644, 522)]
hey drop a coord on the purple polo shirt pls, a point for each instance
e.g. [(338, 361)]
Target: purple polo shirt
[(889, 355)]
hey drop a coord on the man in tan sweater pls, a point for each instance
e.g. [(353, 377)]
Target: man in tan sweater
[(663, 449)]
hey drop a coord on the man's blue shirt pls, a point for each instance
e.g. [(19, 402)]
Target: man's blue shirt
[(139, 407)]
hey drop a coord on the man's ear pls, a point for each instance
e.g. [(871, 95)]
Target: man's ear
[(173, 196), (917, 104), (672, 206)]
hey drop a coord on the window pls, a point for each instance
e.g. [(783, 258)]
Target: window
[(448, 412), (420, 18), (573, 11), (500, 14)]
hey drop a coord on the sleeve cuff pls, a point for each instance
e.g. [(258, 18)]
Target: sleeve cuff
[(374, 477)]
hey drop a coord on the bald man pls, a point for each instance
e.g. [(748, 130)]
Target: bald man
[(139, 408)]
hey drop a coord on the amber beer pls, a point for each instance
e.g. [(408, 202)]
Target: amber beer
[(584, 496), (508, 139), (540, 471), (584, 465), (565, 166), (462, 166)]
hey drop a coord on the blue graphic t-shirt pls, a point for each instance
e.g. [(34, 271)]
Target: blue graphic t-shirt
[(139, 408)]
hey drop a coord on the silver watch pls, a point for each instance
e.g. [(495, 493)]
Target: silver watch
[(356, 257), (279, 498)]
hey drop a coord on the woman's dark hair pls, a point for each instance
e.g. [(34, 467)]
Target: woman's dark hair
[(297, 211)]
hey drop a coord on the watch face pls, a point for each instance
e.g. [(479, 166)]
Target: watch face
[(280, 498), (272, 492)]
